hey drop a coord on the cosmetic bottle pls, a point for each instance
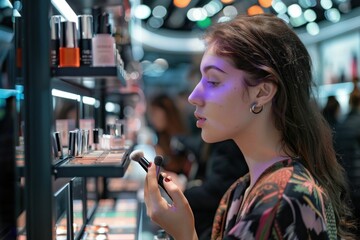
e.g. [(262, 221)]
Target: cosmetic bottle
[(86, 138), (103, 43), (55, 22), (57, 145), (117, 137), (85, 41), (96, 138), (69, 51), (72, 146)]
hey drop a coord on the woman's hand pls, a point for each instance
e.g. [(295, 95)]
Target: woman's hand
[(177, 218), (179, 179)]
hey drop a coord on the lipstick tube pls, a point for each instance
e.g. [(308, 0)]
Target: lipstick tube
[(85, 41), (55, 22)]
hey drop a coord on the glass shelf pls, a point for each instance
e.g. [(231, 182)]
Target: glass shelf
[(117, 72)]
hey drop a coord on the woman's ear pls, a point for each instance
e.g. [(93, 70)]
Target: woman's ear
[(266, 92)]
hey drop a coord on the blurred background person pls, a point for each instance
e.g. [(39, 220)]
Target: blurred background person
[(166, 121), (347, 145), (331, 111)]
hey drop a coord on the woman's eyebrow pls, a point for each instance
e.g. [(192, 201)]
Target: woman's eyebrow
[(209, 67)]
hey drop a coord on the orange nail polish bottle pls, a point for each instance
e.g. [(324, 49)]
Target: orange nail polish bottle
[(69, 51)]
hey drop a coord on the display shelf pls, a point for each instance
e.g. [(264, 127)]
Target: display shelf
[(75, 73), (109, 165), (71, 86)]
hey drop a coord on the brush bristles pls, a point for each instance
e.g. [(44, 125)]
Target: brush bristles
[(158, 160), (136, 155)]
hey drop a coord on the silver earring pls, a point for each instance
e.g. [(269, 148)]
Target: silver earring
[(256, 109)]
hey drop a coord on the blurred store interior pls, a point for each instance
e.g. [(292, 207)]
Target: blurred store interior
[(160, 49), (164, 35), (161, 45)]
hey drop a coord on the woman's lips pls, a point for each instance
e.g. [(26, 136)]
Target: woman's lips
[(200, 121)]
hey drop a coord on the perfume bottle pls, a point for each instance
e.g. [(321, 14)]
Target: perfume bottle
[(69, 50), (103, 43), (85, 41)]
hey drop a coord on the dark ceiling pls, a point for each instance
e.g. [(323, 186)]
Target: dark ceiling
[(176, 19), (184, 24), (176, 23)]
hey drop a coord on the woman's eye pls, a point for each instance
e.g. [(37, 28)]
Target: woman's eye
[(213, 83)]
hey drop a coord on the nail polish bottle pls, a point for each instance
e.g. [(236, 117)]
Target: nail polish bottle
[(103, 43), (55, 22), (85, 41), (69, 51)]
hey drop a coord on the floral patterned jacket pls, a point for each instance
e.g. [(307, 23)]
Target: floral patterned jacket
[(285, 203)]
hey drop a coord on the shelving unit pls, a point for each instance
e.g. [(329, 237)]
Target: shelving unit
[(41, 175)]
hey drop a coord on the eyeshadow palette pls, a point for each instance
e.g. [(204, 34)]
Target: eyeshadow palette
[(105, 163)]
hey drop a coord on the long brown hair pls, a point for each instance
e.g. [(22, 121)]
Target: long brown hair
[(266, 49), (174, 126), (172, 113)]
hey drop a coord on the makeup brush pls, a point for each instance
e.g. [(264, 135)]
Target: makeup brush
[(138, 156), (158, 162)]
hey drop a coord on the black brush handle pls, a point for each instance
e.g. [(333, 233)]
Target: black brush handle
[(144, 163)]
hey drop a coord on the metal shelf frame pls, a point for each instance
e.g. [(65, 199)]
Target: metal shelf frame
[(36, 72)]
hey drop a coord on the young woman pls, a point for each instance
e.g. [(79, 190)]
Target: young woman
[(256, 89)]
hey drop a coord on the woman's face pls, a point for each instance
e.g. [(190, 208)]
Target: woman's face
[(221, 100), (158, 118)]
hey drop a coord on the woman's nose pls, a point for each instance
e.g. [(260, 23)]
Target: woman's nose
[(195, 96)]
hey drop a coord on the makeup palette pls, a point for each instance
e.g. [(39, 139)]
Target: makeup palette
[(104, 163)]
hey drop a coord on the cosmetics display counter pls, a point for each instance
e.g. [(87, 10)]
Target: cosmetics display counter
[(62, 196), (50, 212), (79, 220)]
